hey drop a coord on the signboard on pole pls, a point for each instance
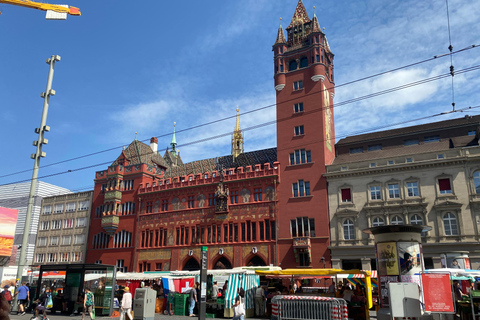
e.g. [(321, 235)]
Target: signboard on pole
[(437, 292), (203, 284)]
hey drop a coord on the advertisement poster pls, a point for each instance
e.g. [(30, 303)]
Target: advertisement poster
[(437, 292), (384, 281), (409, 256), (8, 223), (387, 258)]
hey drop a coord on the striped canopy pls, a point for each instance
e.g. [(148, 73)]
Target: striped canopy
[(241, 280)]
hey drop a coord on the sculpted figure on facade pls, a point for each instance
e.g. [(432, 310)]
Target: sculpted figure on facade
[(245, 193), (201, 200)]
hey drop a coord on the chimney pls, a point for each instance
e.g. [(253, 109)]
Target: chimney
[(154, 144)]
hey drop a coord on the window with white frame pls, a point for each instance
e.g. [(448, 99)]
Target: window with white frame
[(298, 130), (416, 219), (301, 188), (298, 85), (59, 208), (375, 193), (64, 256), (300, 156), (121, 266), (302, 227), (409, 160), (298, 107), (81, 222), (476, 181), (391, 162), (42, 241), (68, 223), (51, 257), (71, 206), (45, 225), (412, 189), (56, 224), (378, 221), (450, 224), (76, 256), (47, 209), (444, 186), (83, 205), (79, 239), (396, 220), (40, 257), (54, 240), (393, 191), (66, 240), (348, 230)]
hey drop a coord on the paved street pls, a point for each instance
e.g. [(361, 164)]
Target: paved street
[(79, 317)]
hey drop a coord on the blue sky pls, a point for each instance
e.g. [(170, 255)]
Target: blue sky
[(139, 66)]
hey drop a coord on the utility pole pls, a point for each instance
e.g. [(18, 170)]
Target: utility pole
[(36, 157)]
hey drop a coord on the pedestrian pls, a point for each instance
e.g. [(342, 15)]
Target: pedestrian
[(126, 306), (193, 299), (259, 301), (224, 289), (23, 296), (42, 304), (88, 303), (6, 293), (239, 306), (215, 291)]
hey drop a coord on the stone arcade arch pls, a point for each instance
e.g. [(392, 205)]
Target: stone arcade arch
[(222, 263), (256, 261), (191, 265)]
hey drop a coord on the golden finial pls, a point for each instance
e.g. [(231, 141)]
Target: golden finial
[(123, 148), (135, 135)]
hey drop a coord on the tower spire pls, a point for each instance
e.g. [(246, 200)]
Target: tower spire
[(316, 25), (173, 144), (280, 35), (237, 138)]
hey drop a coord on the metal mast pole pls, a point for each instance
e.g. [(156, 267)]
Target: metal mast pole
[(36, 157)]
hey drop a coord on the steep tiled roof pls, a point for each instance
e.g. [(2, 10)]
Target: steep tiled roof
[(299, 14), (208, 165), (280, 36), (452, 134), (138, 152), (411, 130)]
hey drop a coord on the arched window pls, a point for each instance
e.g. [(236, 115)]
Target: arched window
[(416, 219), (476, 181), (348, 230), (292, 65), (377, 221), (450, 224), (304, 62), (397, 220)]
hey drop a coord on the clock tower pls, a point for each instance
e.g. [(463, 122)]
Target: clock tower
[(304, 85)]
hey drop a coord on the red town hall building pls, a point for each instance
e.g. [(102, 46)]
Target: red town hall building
[(250, 208)]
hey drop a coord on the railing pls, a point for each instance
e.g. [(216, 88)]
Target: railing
[(286, 307)]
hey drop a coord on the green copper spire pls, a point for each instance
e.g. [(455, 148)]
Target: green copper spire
[(173, 144)]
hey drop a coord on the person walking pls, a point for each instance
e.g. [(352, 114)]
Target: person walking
[(260, 302), (193, 299), (23, 296), (88, 303), (239, 306), (215, 289), (7, 295), (42, 304), (126, 306)]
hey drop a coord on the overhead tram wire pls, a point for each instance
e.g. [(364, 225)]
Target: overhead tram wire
[(320, 140), (255, 110), (450, 47), (312, 111)]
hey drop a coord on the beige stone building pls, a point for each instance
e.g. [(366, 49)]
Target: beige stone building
[(63, 229), (426, 174)]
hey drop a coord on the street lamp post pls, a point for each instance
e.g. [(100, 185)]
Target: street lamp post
[(36, 157)]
